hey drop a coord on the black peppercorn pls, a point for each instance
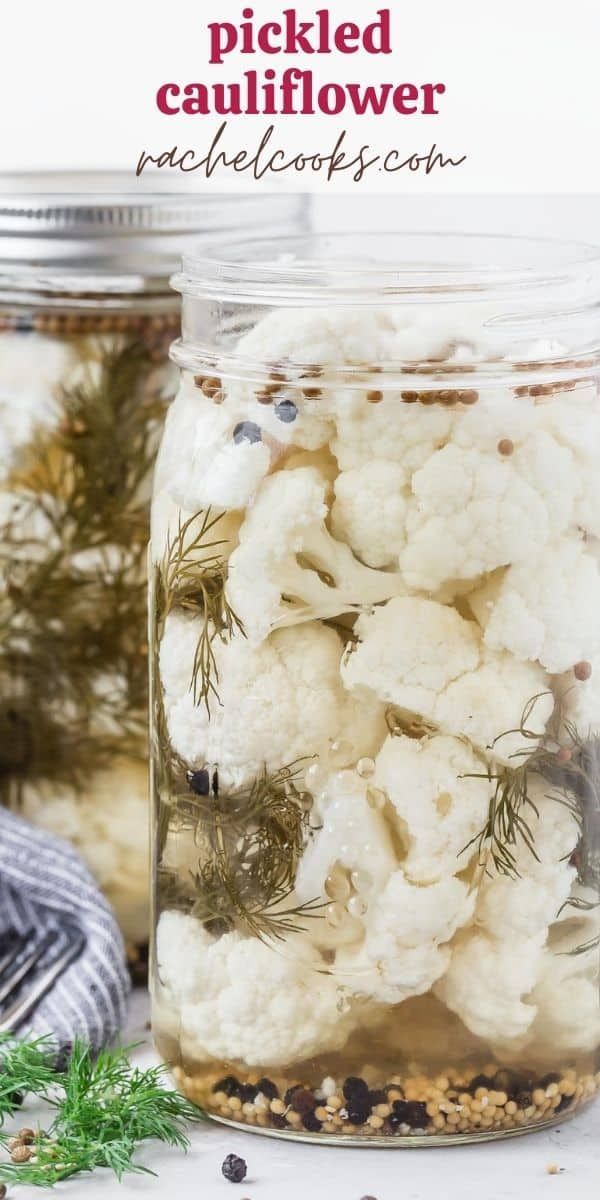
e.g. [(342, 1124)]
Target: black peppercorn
[(199, 782), (247, 431), (234, 1168), (353, 1086), (230, 1085), (409, 1112), (359, 1110), (286, 411), (268, 1088), (311, 1123)]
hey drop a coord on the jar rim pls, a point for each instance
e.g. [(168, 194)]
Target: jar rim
[(324, 268)]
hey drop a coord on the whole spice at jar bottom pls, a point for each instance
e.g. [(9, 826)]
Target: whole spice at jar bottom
[(456, 1103)]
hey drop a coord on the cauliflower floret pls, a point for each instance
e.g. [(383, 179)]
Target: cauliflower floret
[(474, 510), (568, 1012), (440, 804), (209, 456), (32, 368), (488, 984), (369, 511), (407, 434), (547, 608), (349, 836), (108, 824), (280, 701), (574, 418), (410, 650), (528, 904), (288, 568), (484, 705), (291, 344), (427, 660), (246, 1001), (407, 928)]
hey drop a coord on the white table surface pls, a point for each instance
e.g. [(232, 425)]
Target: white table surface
[(515, 1169)]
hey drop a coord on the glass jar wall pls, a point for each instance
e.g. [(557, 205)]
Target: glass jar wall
[(86, 320), (375, 696)]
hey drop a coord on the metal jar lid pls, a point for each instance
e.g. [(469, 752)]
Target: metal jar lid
[(90, 232)]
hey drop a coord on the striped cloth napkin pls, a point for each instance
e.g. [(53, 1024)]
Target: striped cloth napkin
[(44, 886)]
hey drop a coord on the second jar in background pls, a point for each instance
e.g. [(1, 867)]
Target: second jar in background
[(86, 320)]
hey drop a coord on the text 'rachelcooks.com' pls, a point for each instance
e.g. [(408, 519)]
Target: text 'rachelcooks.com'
[(342, 158)]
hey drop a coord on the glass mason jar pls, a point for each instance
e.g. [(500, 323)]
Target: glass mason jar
[(376, 688), (86, 319)]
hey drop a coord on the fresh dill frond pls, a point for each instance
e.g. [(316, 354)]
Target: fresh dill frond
[(250, 843), (572, 773), (72, 558), (24, 1067), (194, 577), (104, 1108)]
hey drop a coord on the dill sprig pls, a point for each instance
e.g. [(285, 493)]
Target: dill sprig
[(572, 772), (194, 577), (73, 604), (104, 1108), (250, 843), (24, 1067)]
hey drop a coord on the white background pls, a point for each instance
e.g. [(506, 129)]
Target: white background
[(77, 86)]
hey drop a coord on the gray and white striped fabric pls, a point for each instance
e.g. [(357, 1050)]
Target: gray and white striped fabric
[(44, 885)]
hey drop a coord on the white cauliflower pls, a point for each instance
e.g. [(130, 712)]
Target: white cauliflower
[(528, 904), (291, 343), (488, 984), (242, 1000), (574, 419), (476, 510), (405, 946), (440, 805), (487, 706), (349, 835), (547, 608), (568, 1008), (288, 568), (280, 701), (410, 650), (408, 434), (209, 456), (108, 823), (369, 511), (426, 659), (32, 369)]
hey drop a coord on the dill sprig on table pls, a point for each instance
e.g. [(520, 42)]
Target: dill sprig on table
[(24, 1067), (104, 1108)]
